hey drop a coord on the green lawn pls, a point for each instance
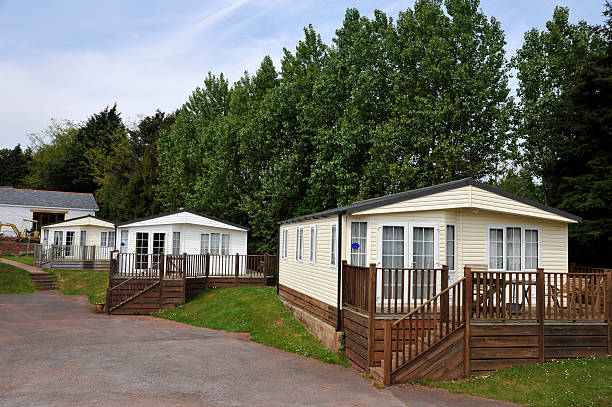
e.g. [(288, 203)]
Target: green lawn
[(256, 310), (88, 282), (29, 259), (575, 382), (14, 280)]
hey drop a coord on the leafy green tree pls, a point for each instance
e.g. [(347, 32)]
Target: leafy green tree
[(548, 66), (14, 166)]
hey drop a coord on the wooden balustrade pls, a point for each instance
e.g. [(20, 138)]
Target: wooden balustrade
[(355, 286), (576, 296), (403, 289)]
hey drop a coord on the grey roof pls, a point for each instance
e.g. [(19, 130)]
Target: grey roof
[(47, 199), (77, 218), (161, 215), (416, 193)]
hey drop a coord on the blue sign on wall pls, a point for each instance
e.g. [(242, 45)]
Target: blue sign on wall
[(355, 245), (122, 243)]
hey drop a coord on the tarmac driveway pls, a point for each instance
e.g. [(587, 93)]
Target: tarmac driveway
[(54, 350)]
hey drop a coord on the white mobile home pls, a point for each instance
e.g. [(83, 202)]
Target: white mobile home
[(178, 232), (457, 224), (86, 230)]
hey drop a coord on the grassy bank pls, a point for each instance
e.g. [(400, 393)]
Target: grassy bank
[(576, 382), (14, 280), (29, 259), (256, 310), (78, 282)]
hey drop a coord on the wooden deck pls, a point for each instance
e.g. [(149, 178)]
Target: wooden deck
[(485, 321), (72, 257), (150, 283)]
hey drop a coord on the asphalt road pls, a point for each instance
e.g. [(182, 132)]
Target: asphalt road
[(56, 351)]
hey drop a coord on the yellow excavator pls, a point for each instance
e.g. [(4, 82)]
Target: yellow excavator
[(25, 233)]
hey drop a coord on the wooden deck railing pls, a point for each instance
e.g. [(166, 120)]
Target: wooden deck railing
[(355, 286), (45, 254), (403, 289), (423, 327), (196, 265), (539, 295)]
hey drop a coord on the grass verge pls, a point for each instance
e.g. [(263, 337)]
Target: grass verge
[(14, 280), (574, 382), (29, 259), (78, 282), (258, 311)]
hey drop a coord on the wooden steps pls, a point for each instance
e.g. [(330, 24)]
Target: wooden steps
[(43, 281)]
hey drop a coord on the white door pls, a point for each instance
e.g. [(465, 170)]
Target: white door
[(424, 256)]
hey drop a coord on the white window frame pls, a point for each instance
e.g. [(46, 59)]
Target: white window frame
[(103, 239), (299, 244), (74, 234), (177, 249), (367, 239), (285, 244), (312, 244), (333, 245), (228, 249), (46, 238), (205, 250), (451, 272), (82, 242), (210, 243), (523, 228), (123, 248)]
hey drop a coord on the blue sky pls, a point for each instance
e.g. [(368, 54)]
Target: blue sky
[(69, 59)]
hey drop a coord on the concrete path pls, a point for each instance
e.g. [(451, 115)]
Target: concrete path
[(55, 351), (41, 278)]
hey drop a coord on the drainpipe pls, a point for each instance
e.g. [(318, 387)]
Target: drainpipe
[(339, 264), (278, 254)]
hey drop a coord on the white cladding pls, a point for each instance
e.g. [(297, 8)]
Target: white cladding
[(190, 226)]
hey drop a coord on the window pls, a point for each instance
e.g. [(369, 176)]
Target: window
[(450, 247), (392, 257), (83, 238), (214, 243), (531, 249), (176, 243), (58, 237), (299, 243), (142, 250), (107, 239), (225, 243), (204, 243), (159, 240), (313, 245), (513, 249), (285, 243), (334, 245), (46, 237), (496, 249), (359, 233), (124, 241)]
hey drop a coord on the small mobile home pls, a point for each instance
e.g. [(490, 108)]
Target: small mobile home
[(180, 232)]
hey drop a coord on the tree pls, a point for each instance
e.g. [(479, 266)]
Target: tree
[(14, 166), (548, 65)]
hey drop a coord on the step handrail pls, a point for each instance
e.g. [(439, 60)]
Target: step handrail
[(417, 309), (398, 346)]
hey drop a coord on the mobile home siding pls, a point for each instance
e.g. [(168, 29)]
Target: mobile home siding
[(319, 281)]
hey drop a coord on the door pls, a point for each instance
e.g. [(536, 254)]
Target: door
[(392, 256), (159, 240), (423, 257), (70, 243), (83, 238)]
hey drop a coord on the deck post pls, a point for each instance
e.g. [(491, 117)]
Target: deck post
[(266, 266), (467, 316), (387, 358), (237, 268), (371, 312), (184, 277), (161, 287), (540, 303), (445, 297), (206, 270), (608, 303)]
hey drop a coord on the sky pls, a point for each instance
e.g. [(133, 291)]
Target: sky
[(70, 59)]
